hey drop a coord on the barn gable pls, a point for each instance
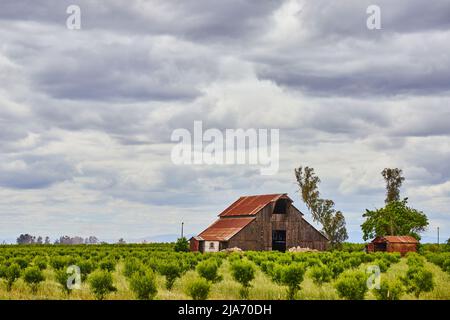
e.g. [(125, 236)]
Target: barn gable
[(251, 205)]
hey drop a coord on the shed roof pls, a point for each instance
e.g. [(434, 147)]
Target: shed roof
[(396, 239), (251, 205), (224, 229)]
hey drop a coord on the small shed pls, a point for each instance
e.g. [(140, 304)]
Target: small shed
[(402, 244)]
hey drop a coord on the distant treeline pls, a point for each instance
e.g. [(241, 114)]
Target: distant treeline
[(30, 239)]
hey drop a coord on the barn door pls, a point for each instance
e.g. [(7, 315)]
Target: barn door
[(279, 240)]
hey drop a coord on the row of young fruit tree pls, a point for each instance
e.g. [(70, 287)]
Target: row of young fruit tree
[(352, 274)]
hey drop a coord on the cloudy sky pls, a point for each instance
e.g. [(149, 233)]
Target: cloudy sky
[(86, 115)]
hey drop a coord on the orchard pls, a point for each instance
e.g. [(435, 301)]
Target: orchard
[(158, 271)]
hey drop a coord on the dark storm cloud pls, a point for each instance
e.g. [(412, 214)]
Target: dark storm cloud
[(200, 20), (347, 19), (344, 57), (122, 73), (367, 82), (35, 172)]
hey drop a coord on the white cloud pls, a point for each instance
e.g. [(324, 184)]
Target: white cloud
[(86, 116)]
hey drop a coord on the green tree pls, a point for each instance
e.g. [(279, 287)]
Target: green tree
[(322, 210), (334, 227), (321, 274), (389, 290), (418, 280), (396, 218), (61, 277), (394, 180), (198, 289), (309, 189), (33, 276), (40, 262), (172, 271), (108, 265), (243, 272), (11, 275), (131, 266), (352, 285), (86, 267), (101, 284), (144, 285), (182, 245), (292, 276), (208, 269)]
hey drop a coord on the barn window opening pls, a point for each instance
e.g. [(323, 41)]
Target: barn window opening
[(279, 240), (281, 206), (211, 245)]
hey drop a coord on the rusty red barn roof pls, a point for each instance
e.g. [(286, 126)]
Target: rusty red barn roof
[(396, 239), (250, 205), (224, 229)]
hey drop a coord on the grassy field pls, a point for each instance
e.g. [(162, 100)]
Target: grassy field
[(262, 286)]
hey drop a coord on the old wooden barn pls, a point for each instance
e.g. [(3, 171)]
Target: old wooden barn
[(261, 222), (402, 244)]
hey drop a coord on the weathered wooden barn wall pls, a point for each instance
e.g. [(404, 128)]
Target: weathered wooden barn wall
[(258, 234), (401, 244), (298, 231), (403, 248)]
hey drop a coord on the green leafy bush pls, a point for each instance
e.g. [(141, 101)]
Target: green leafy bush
[(3, 269), (40, 262), (108, 265), (182, 245), (23, 263), (292, 276), (61, 277), (415, 260), (86, 267), (352, 285), (33, 276), (208, 269), (59, 262), (101, 284), (321, 274), (144, 285), (11, 275), (381, 264), (446, 265), (131, 266), (243, 272), (277, 273), (337, 267), (418, 280), (389, 290), (172, 271), (198, 289)]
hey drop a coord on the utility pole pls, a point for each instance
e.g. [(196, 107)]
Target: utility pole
[(438, 234), (182, 226)]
